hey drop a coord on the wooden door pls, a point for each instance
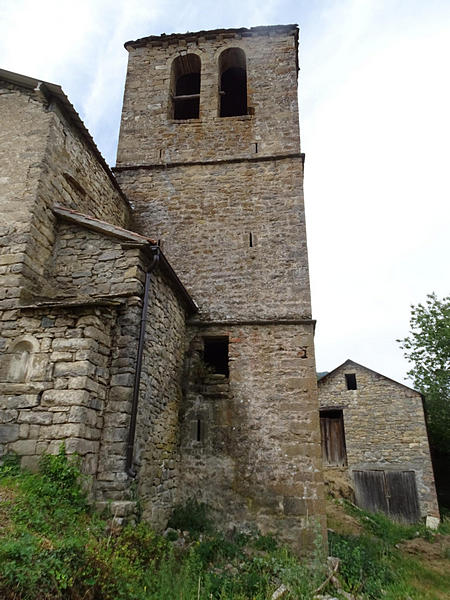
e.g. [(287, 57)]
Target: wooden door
[(391, 492), (402, 496), (333, 438)]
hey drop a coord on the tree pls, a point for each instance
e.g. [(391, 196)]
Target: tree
[(428, 349)]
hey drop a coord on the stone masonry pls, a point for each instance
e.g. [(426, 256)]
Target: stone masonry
[(384, 428), (224, 195), (103, 348)]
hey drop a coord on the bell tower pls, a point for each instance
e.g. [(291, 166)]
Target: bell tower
[(209, 155)]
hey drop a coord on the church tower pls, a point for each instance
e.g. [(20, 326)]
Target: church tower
[(209, 156)]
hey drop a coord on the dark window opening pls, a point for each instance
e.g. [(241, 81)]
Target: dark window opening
[(333, 437), (350, 380), (250, 239), (215, 354), (199, 430), (233, 83), (256, 147), (185, 87)]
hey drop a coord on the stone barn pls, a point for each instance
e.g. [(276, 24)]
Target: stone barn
[(157, 318), (374, 439)]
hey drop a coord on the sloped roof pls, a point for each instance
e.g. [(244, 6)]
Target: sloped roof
[(105, 228), (350, 362), (50, 91)]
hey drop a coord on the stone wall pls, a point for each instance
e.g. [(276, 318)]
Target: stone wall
[(23, 142), (86, 264), (205, 214), (53, 381), (148, 135), (74, 178), (384, 426), (156, 442), (224, 195), (68, 366), (257, 462), (46, 160)]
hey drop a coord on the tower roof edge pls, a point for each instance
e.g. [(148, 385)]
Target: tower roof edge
[(174, 38)]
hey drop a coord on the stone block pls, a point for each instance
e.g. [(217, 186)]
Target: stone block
[(24, 447), (81, 414), (31, 463), (21, 401), (54, 398), (295, 506), (35, 417), (7, 416), (73, 344), (9, 433), (74, 369), (97, 335), (81, 446), (120, 393)]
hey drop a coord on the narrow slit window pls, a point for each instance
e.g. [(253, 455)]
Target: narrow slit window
[(233, 83), (215, 355), (250, 239), (350, 380), (199, 430), (185, 87)]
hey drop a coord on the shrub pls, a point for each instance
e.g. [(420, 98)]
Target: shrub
[(366, 564), (191, 516)]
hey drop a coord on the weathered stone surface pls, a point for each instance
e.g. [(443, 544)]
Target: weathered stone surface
[(231, 221), (53, 398), (384, 427), (227, 202), (9, 433)]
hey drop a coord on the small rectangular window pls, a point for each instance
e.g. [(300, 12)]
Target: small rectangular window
[(215, 354), (350, 380)]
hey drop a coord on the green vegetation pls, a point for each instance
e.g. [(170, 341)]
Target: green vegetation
[(428, 349), (53, 546)]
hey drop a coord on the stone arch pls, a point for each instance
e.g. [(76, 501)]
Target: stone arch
[(21, 353), (185, 75), (233, 82)]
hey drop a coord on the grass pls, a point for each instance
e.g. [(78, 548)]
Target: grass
[(54, 546)]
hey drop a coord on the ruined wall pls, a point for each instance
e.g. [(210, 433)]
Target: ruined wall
[(384, 427), (257, 462), (148, 135)]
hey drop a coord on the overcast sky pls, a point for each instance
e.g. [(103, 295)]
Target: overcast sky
[(374, 94)]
